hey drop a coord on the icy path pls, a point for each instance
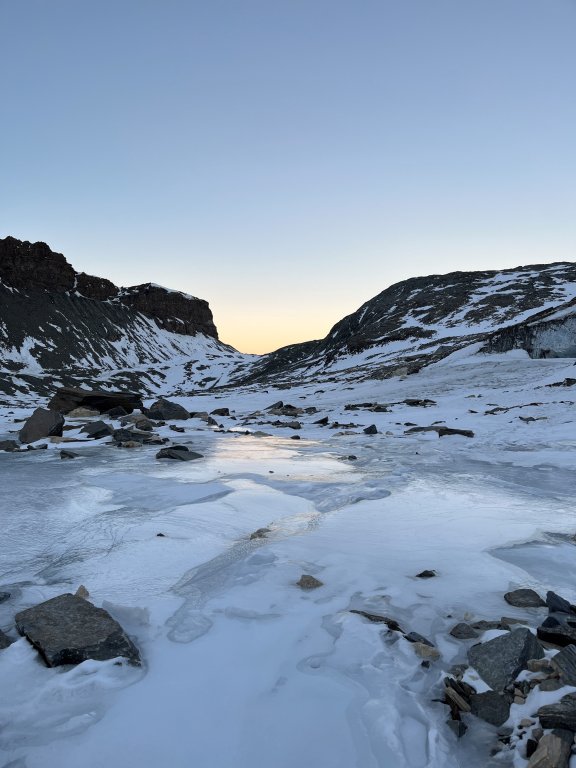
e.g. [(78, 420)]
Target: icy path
[(243, 669)]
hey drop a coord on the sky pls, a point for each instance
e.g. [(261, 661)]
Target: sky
[(287, 160)]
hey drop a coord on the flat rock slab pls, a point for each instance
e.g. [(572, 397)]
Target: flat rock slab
[(67, 399), (524, 598), (499, 661), (442, 431), (97, 429), (43, 423), (553, 750), (562, 714), (69, 630)]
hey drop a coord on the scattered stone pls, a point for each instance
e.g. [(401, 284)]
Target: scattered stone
[(459, 698), (463, 631), (82, 592), (323, 422), (550, 684), (564, 663), (294, 437), (260, 533), (174, 428), (531, 747), (562, 714), (41, 447), (484, 626), (308, 582), (68, 630), (221, 412), (117, 412), (68, 455), (4, 641), (441, 431), (279, 404), (376, 619), (558, 629), (415, 403), (83, 413), (42, 423), (557, 604), (500, 660), (540, 665), (371, 430), (425, 651), (566, 383), (426, 574), (526, 722), (415, 637), (4, 596), (491, 706), (553, 750), (179, 453), (67, 399), (129, 435), (9, 445), (166, 410), (524, 598)]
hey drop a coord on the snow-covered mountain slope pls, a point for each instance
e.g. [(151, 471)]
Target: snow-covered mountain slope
[(424, 319)]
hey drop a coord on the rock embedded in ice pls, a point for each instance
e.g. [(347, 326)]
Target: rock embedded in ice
[(490, 706), (377, 619), (426, 574), (68, 455), (43, 423), (260, 533), (68, 630), (167, 410), (371, 430), (441, 431), (82, 592), (557, 604), (426, 651), (178, 453), (9, 445), (220, 412), (565, 664), (4, 596), (553, 750), (309, 582), (500, 660), (524, 598), (457, 727), (4, 641), (463, 631), (415, 637)]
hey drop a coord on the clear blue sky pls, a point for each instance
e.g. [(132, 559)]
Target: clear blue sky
[(289, 159)]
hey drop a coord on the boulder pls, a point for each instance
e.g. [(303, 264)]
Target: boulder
[(68, 630), (565, 664), (9, 445), (524, 598), (371, 430), (43, 423), (68, 398), (557, 604), (558, 629), (221, 412), (463, 631), (117, 412), (500, 660), (4, 641), (553, 750), (491, 706), (308, 582), (562, 714), (97, 430), (428, 574), (179, 453), (165, 410)]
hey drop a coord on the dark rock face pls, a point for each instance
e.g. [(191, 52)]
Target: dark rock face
[(33, 266), (175, 311), (67, 399), (68, 630), (499, 661), (43, 423)]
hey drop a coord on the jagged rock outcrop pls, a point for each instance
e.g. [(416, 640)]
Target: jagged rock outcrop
[(175, 311)]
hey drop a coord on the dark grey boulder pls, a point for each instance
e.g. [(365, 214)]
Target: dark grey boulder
[(97, 430), (499, 661), (9, 445), (428, 574), (68, 630), (178, 453), (42, 423), (166, 410), (524, 598), (558, 629), (221, 412), (441, 431), (117, 412), (4, 641), (371, 430), (557, 604), (562, 714), (415, 637), (67, 399), (491, 706), (565, 664), (126, 435), (463, 631)]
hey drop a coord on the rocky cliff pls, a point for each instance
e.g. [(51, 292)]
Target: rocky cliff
[(33, 267)]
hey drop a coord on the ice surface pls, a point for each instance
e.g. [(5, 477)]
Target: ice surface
[(242, 669)]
